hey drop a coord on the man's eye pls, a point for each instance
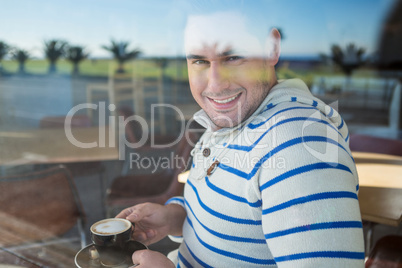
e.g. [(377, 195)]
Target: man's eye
[(199, 62), (234, 58)]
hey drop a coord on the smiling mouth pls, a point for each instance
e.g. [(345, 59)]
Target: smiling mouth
[(226, 100)]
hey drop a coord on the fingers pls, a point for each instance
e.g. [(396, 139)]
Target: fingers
[(140, 237), (137, 256), (150, 222), (141, 257), (124, 213), (147, 236), (141, 211), (132, 213), (148, 258), (143, 231)]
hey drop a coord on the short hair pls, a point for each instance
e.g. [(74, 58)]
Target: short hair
[(226, 29)]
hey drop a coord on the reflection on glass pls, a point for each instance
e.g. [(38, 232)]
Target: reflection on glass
[(118, 72)]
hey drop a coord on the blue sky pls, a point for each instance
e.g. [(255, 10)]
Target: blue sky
[(155, 26)]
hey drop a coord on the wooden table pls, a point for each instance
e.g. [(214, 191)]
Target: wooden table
[(10, 259), (362, 157), (17, 248), (380, 193), (52, 146)]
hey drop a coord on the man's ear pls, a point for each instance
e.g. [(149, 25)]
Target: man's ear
[(273, 46)]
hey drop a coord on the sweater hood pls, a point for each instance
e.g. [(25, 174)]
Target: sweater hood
[(295, 90)]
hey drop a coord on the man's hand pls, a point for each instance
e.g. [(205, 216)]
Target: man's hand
[(150, 259), (153, 221)]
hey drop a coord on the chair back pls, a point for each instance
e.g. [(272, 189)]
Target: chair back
[(39, 205), (371, 144)]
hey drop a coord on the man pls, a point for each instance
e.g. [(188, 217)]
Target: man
[(273, 182)]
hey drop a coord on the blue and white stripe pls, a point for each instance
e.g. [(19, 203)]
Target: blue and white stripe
[(283, 205)]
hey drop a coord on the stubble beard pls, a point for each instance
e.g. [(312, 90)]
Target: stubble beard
[(243, 113)]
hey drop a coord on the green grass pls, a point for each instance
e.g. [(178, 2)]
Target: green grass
[(308, 75), (102, 67)]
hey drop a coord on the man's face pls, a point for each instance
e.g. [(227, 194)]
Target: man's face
[(228, 86)]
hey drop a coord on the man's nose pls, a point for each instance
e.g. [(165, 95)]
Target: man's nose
[(218, 77)]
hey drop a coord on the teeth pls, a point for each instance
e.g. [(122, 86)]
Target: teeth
[(226, 101)]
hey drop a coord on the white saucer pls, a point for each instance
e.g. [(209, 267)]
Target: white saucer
[(83, 257)]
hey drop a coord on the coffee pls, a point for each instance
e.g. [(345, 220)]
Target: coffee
[(110, 226), (111, 239)]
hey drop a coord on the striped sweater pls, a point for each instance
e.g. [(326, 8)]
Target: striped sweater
[(282, 192)]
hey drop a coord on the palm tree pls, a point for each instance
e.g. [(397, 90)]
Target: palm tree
[(76, 54), (349, 59), (21, 56), (54, 49), (120, 53), (4, 49)]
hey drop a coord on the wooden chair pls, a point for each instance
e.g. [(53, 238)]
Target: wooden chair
[(134, 189), (39, 206), (386, 253)]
